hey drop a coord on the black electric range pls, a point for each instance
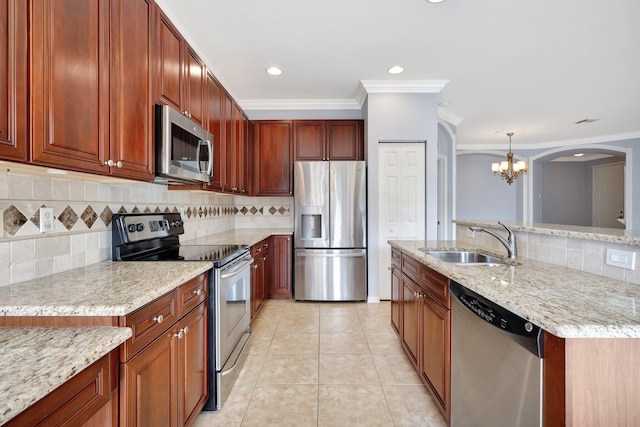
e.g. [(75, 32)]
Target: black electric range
[(156, 237)]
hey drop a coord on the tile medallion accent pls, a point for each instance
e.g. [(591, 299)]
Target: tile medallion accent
[(89, 216), (13, 220), (272, 210), (35, 219), (106, 215), (68, 217)]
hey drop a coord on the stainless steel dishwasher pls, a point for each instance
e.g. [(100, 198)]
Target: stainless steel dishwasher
[(496, 364)]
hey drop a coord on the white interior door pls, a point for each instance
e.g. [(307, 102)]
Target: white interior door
[(608, 195), (401, 201)]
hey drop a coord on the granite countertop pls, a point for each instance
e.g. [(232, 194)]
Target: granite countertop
[(565, 302), (102, 289), (242, 236), (609, 235), (55, 354)]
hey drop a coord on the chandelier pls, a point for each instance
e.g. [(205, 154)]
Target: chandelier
[(509, 170)]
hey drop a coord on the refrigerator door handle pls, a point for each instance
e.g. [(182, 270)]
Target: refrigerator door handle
[(311, 254)]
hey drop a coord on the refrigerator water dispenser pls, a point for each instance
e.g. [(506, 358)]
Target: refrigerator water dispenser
[(311, 222)]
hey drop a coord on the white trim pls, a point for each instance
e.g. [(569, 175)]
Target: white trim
[(299, 104), (404, 86), (449, 117), (373, 300), (555, 144), (444, 188)]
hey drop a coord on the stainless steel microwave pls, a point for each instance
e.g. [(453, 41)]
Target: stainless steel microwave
[(184, 150)]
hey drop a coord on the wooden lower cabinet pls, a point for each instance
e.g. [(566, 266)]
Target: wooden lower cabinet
[(87, 399), (435, 355), (280, 267), (410, 318), (165, 384), (423, 323), (258, 276)]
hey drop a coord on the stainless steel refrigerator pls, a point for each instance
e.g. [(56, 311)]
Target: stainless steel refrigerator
[(330, 231)]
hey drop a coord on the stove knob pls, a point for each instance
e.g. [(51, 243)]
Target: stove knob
[(139, 227), (131, 228)]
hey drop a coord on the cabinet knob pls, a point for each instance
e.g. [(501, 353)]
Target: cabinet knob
[(119, 164), (158, 318), (109, 163), (198, 292), (255, 266), (234, 188), (186, 114)]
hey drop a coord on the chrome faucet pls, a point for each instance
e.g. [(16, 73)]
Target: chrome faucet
[(509, 242)]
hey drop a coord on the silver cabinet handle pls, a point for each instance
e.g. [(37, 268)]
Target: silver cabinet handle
[(159, 318), (309, 254), (198, 291), (111, 163)]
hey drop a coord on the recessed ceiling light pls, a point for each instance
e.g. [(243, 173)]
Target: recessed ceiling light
[(274, 71), (396, 69), (578, 155), (435, 1)]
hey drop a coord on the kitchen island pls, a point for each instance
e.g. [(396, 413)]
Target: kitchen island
[(591, 328)]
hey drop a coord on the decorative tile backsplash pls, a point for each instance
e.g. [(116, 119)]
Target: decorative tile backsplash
[(83, 206)]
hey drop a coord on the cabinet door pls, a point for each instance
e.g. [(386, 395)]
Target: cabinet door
[(435, 357), (214, 124), (411, 318), (280, 267), (231, 183), (308, 140), (148, 393), (193, 364), (396, 298), (13, 80), (273, 159), (69, 84), (131, 137), (241, 133), (169, 62), (344, 140), (195, 72)]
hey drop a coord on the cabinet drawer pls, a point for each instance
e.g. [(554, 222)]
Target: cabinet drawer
[(148, 322), (192, 293), (435, 284), (396, 257), (77, 400), (411, 268)]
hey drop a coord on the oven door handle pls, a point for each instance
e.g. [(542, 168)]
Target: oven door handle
[(240, 355), (237, 271)]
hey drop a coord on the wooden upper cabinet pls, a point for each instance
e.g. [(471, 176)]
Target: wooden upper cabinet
[(230, 181), (195, 74), (70, 84), (309, 140), (180, 73), (273, 164), (240, 140), (169, 44), (13, 80), (344, 140), (131, 136), (215, 125), (316, 140)]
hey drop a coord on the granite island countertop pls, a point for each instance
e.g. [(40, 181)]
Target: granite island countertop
[(565, 302), (36, 361)]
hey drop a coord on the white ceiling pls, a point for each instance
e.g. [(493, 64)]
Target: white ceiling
[(531, 67)]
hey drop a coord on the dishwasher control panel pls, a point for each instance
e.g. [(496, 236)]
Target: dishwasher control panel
[(492, 313)]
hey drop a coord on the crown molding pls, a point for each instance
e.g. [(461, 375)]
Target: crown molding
[(553, 144), (403, 86), (299, 104), (449, 117)]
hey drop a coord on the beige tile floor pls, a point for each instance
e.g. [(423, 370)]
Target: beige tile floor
[(325, 364)]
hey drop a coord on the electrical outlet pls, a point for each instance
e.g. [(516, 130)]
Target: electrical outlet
[(46, 220), (1, 223), (622, 259)]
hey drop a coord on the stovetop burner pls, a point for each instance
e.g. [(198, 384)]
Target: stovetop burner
[(155, 237)]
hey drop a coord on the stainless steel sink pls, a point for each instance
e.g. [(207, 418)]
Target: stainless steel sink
[(466, 258)]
